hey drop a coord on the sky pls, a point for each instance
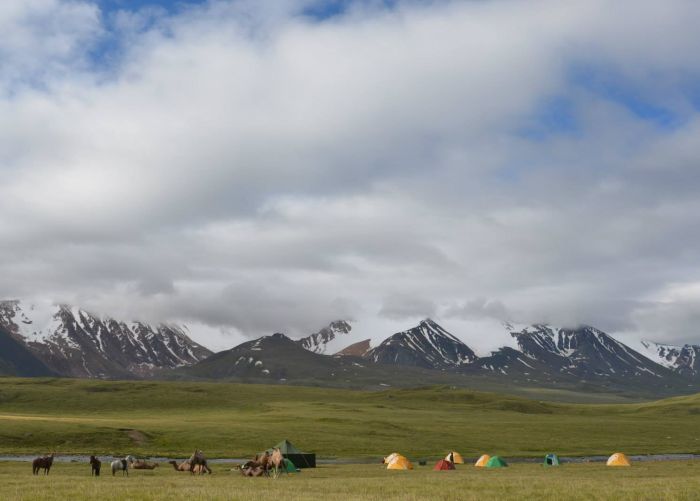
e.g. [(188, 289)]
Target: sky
[(251, 167)]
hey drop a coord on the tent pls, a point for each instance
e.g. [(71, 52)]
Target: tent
[(618, 459), (300, 459), (496, 462), (289, 466), (391, 457), (551, 460), (481, 462), (454, 457), (400, 463), (444, 465)]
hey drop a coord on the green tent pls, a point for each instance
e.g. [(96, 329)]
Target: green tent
[(298, 458), (551, 460), (496, 462), (289, 466)]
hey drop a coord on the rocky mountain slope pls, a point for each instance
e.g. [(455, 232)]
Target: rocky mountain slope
[(72, 342), (328, 340), (427, 345), (684, 359)]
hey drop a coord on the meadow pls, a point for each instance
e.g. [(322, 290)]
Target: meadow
[(236, 420), (657, 481)]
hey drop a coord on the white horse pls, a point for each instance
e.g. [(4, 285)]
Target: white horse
[(120, 464)]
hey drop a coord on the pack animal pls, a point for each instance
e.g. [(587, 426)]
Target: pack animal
[(120, 465), (43, 462), (95, 465)]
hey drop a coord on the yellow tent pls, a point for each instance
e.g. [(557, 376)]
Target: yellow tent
[(481, 462), (391, 457), (455, 457), (400, 463), (618, 459)]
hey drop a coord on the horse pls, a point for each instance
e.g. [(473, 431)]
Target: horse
[(95, 465), (197, 458), (120, 464), (277, 462), (43, 462)]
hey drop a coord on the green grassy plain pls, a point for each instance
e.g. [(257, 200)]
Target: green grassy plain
[(235, 420), (653, 481)]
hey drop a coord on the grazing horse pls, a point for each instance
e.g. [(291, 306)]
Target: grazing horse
[(197, 458), (43, 462), (120, 464), (277, 463), (95, 465)]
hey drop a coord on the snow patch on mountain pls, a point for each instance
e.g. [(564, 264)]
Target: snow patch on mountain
[(74, 342), (329, 340)]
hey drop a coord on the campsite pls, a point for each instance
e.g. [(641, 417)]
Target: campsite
[(371, 482), (350, 432)]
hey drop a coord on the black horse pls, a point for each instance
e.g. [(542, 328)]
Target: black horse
[(95, 464), (44, 463)]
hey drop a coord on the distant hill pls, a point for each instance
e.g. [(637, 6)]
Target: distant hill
[(17, 360)]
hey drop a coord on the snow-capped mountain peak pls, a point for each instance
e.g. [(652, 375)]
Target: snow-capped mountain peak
[(426, 345), (682, 359), (328, 340), (74, 342)]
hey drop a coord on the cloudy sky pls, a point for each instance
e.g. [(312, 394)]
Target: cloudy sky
[(249, 167)]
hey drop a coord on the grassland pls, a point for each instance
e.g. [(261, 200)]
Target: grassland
[(233, 420), (657, 481)]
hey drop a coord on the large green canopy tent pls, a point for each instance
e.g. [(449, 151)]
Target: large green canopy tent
[(300, 459)]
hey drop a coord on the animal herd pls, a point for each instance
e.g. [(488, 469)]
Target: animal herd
[(265, 464), (196, 464)]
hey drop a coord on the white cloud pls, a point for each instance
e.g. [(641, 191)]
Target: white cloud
[(251, 169)]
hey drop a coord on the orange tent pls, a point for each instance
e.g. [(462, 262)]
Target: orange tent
[(391, 457), (481, 462), (400, 463), (454, 457), (618, 459)]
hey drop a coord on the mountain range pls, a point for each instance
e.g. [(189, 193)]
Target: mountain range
[(68, 341)]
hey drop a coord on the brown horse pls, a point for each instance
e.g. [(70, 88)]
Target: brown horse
[(43, 462), (95, 465)]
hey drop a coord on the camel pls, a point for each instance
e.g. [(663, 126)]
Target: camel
[(197, 458), (185, 466), (252, 468), (43, 462), (143, 465), (277, 463)]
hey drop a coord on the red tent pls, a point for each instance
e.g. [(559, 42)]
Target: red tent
[(444, 465)]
